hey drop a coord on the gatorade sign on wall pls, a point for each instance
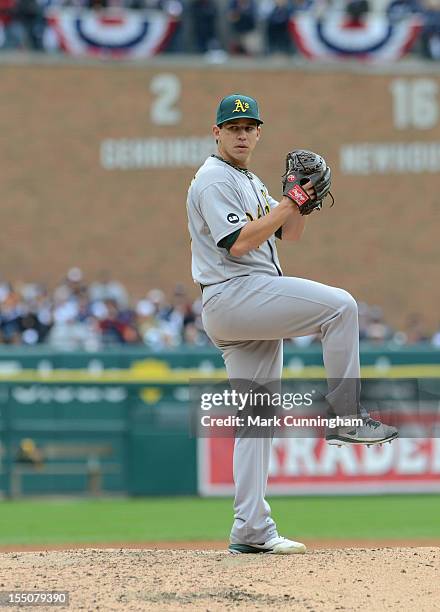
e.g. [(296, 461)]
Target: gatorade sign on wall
[(310, 466)]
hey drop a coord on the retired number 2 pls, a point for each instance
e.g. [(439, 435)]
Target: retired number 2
[(166, 89)]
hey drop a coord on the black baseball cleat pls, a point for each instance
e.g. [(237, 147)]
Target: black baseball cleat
[(370, 432)]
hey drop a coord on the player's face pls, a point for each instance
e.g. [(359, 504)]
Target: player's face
[(237, 139)]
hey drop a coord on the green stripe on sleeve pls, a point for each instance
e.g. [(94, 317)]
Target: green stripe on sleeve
[(228, 241)]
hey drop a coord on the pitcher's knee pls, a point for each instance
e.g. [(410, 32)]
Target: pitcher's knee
[(347, 302)]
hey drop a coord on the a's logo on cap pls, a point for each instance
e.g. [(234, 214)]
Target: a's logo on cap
[(240, 107)]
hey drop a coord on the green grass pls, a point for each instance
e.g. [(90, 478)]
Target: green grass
[(180, 518)]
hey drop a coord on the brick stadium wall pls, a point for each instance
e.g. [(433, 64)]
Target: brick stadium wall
[(60, 207)]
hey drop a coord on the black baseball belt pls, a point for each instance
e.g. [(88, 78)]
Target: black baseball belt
[(221, 282)]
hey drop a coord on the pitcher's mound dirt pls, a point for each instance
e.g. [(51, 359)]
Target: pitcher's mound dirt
[(372, 579)]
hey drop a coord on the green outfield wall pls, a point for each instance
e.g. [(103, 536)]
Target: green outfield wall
[(15, 359), (96, 438), (118, 422)]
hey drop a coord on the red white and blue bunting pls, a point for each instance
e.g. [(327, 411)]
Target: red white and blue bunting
[(125, 34), (335, 37)]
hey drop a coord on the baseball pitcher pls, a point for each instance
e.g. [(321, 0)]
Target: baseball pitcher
[(249, 306)]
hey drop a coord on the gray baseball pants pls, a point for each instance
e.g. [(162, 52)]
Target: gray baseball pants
[(247, 317)]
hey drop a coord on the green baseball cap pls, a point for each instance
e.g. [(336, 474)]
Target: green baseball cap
[(237, 106)]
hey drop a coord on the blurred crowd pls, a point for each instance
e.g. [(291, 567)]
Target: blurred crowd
[(236, 27), (91, 316)]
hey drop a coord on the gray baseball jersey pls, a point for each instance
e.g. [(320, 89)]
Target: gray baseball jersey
[(221, 200)]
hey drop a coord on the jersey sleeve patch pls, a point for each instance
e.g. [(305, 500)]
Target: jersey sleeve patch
[(220, 206), (233, 218)]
